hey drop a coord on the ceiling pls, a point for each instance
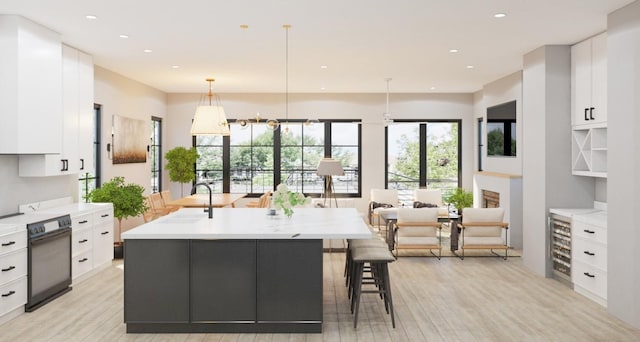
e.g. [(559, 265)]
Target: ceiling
[(361, 42)]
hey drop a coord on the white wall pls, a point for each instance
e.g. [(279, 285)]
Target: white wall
[(16, 190), (367, 107), (506, 89), (623, 197), (122, 96), (546, 172)]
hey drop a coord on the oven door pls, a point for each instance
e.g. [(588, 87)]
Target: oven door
[(49, 267)]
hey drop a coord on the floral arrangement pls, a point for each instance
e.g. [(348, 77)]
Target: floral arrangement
[(286, 200)]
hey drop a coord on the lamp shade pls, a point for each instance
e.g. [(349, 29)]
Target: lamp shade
[(330, 167), (210, 120)]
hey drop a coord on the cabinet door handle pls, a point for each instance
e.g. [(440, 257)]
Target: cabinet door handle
[(589, 231), (8, 269), (83, 241), (8, 293), (589, 253), (63, 168), (83, 222), (81, 164), (83, 260), (104, 233), (104, 215), (586, 112), (589, 275), (591, 113), (8, 243)]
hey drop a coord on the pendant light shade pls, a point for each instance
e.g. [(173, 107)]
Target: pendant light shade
[(210, 119)]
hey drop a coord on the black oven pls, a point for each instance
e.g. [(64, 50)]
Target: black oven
[(49, 260)]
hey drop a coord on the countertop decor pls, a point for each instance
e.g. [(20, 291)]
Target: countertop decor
[(286, 200)]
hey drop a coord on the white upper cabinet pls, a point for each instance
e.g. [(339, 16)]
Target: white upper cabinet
[(76, 155), (30, 87), (589, 105), (589, 81)]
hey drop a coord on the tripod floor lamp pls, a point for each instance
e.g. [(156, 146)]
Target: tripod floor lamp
[(329, 167)]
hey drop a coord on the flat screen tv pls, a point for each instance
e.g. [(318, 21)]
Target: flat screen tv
[(501, 130)]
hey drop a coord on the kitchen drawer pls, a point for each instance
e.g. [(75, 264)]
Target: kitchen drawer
[(81, 264), (82, 221), (13, 241), (14, 295), (103, 215), (589, 252), (102, 244), (81, 241), (13, 266), (590, 278), (590, 232)]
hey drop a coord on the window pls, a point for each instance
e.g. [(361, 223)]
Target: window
[(91, 180), (422, 155), (253, 159), (155, 153)]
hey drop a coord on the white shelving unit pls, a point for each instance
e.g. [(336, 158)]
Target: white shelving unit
[(589, 150)]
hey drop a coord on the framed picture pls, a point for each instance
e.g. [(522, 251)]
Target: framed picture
[(130, 140)]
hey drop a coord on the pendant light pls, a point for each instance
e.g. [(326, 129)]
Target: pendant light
[(210, 119), (386, 116)]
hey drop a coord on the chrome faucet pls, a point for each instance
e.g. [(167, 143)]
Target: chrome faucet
[(210, 210)]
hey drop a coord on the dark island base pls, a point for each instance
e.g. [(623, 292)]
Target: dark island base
[(232, 286), (230, 328)]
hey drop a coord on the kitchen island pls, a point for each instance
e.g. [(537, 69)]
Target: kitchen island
[(242, 271)]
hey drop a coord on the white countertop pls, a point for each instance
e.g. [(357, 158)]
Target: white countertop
[(570, 212), (598, 218), (78, 207), (254, 223)]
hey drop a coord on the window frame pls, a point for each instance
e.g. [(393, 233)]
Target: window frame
[(84, 178), (156, 146), (277, 157), (422, 181)]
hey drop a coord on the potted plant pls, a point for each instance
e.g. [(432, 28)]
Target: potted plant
[(180, 163), (127, 200), (459, 199)]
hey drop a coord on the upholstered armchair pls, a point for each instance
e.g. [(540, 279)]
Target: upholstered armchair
[(418, 228), (382, 200), (483, 228), (426, 197)]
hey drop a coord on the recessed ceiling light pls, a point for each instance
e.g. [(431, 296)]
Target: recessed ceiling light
[(432, 88), (499, 15), (453, 50), (92, 17), (175, 67), (124, 36), (147, 50), (323, 67), (323, 88), (469, 66)]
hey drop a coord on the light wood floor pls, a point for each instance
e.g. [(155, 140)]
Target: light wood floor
[(478, 299)]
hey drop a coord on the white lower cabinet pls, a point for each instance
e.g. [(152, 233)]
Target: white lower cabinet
[(589, 258), (92, 242), (103, 243), (13, 271)]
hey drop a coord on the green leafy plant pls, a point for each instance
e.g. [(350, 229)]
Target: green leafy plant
[(128, 199), (286, 200), (180, 163), (460, 198)]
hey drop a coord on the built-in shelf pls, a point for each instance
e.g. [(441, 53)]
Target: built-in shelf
[(589, 150)]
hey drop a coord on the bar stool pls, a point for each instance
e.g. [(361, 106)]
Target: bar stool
[(378, 259), (358, 243)]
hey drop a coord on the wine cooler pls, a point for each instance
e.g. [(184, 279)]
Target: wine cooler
[(560, 229)]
